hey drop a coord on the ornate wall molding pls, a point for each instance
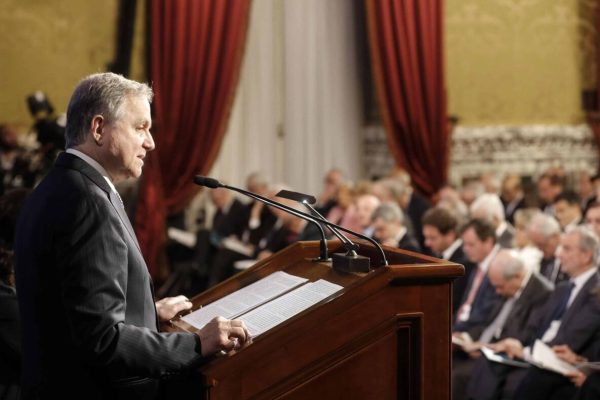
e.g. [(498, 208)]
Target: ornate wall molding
[(526, 150)]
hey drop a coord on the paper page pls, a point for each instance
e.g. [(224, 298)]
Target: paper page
[(186, 238), (283, 308), (589, 367), (462, 340), (234, 244), (502, 359), (244, 299), (544, 357)]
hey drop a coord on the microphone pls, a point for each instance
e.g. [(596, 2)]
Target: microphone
[(349, 262), (214, 184)]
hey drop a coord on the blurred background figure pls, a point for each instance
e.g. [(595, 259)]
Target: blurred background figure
[(48, 128), (512, 196)]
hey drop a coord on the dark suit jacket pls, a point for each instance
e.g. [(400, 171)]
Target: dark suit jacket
[(408, 242), (416, 208), (90, 328), (254, 236), (580, 325), (10, 337), (579, 329), (532, 299), (460, 284), (485, 301), (506, 237)]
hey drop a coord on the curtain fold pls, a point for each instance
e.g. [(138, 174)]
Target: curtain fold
[(406, 45), (196, 49)]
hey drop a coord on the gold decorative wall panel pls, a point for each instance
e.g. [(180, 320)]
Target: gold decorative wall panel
[(519, 61), (49, 46)]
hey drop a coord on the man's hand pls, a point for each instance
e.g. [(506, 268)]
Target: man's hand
[(222, 334), (168, 307), (565, 353), (577, 377), (512, 347)]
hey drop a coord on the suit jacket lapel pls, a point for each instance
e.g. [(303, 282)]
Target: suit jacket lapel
[(580, 300), (71, 161)]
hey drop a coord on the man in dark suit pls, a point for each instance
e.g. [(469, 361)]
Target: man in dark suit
[(523, 293), (512, 196), (480, 298), (389, 229), (545, 233), (440, 230), (570, 317), (89, 320), (488, 206)]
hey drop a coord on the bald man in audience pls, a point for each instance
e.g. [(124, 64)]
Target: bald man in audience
[(525, 293), (489, 206), (388, 228), (570, 317), (544, 233)]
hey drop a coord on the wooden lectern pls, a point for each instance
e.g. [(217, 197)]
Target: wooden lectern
[(386, 335)]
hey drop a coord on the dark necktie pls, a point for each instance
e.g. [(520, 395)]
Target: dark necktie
[(558, 311)]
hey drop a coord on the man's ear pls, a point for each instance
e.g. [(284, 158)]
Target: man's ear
[(97, 128)]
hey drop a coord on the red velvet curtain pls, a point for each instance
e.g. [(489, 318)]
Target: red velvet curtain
[(406, 43), (196, 50)]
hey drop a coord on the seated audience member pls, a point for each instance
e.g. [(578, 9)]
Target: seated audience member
[(388, 228), (488, 206), (549, 186), (10, 331), (567, 210), (592, 217), (512, 196), (470, 190), (289, 229), (570, 317), (441, 232), (585, 189), (258, 218), (414, 205), (524, 249), (228, 220), (365, 206), (243, 232), (328, 198), (522, 292), (449, 198), (544, 232), (480, 298)]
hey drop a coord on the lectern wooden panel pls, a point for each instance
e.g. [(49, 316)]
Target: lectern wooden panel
[(386, 335)]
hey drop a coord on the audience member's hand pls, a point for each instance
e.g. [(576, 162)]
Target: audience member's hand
[(168, 307), (577, 377), (221, 334), (263, 254), (565, 353), (512, 347)]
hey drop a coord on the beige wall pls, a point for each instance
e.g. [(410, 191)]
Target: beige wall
[(519, 62), (49, 45)]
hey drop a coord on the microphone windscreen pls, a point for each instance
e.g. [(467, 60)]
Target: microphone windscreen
[(206, 181), (296, 196)]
